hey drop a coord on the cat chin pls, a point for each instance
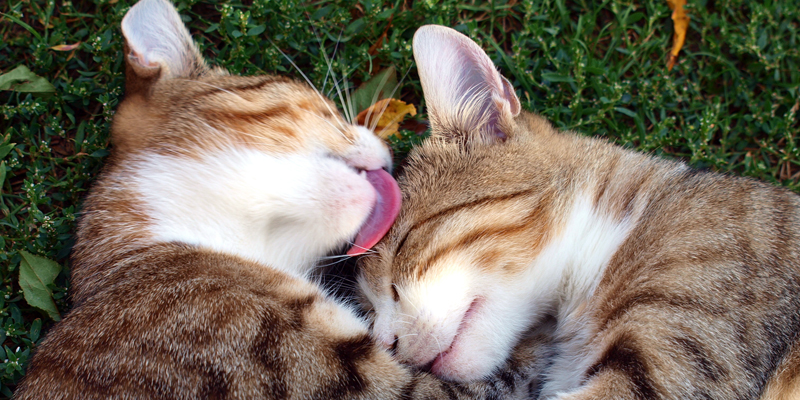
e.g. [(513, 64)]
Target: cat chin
[(457, 362), (482, 344), (456, 366)]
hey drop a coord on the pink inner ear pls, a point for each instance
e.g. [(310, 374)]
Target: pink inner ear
[(461, 83), (141, 61), (385, 211)]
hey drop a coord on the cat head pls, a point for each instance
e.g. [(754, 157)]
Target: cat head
[(262, 167), (448, 285)]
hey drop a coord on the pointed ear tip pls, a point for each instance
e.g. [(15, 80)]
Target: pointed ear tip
[(433, 39), (432, 29), (422, 34), (429, 28), (147, 7)]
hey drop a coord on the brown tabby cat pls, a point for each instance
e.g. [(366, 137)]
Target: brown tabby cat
[(190, 271), (665, 282)]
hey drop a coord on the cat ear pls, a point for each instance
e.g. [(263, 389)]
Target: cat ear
[(157, 44), (464, 93)]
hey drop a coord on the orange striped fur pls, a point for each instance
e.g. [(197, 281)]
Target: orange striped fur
[(664, 282)]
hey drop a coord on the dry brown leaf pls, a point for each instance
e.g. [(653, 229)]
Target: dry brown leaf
[(680, 21), (378, 43), (375, 46), (66, 47), (389, 113)]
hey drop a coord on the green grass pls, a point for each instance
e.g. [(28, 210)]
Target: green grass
[(730, 104)]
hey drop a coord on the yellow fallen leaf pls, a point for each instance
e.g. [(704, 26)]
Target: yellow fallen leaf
[(680, 21), (66, 47), (386, 116)]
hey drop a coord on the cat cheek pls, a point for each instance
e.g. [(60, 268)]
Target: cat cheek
[(348, 198)]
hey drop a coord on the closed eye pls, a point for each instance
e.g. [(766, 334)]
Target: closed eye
[(395, 295)]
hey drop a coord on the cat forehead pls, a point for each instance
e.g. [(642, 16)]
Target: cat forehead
[(438, 181), (224, 91), (449, 185), (189, 116)]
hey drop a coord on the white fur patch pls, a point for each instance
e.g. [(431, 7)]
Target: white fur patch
[(581, 252), (579, 257), (567, 270), (283, 211)]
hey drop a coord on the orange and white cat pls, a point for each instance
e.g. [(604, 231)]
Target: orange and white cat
[(665, 282), (190, 273)]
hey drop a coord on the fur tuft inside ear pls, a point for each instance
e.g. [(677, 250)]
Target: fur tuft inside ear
[(464, 93), (157, 40)]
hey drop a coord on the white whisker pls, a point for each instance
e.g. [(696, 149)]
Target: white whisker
[(408, 334), (375, 99), (350, 106), (439, 345), (340, 257), (400, 292), (375, 124), (366, 250), (330, 72), (328, 264), (325, 54), (345, 110), (306, 78)]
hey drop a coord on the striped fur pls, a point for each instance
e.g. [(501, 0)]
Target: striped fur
[(665, 282), (190, 272)]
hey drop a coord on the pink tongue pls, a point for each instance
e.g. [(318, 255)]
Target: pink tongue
[(383, 215)]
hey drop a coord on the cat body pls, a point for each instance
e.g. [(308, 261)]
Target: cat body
[(190, 272), (665, 282)]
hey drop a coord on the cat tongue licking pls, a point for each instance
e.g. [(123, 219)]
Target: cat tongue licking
[(387, 206)]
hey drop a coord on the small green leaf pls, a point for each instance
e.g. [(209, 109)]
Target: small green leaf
[(211, 28), (553, 77), (2, 176), (379, 87), (36, 329), (5, 149), (355, 27), (322, 12), (625, 111), (385, 14), (24, 25), (99, 153), (21, 79), (35, 274), (257, 30), (10, 354)]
